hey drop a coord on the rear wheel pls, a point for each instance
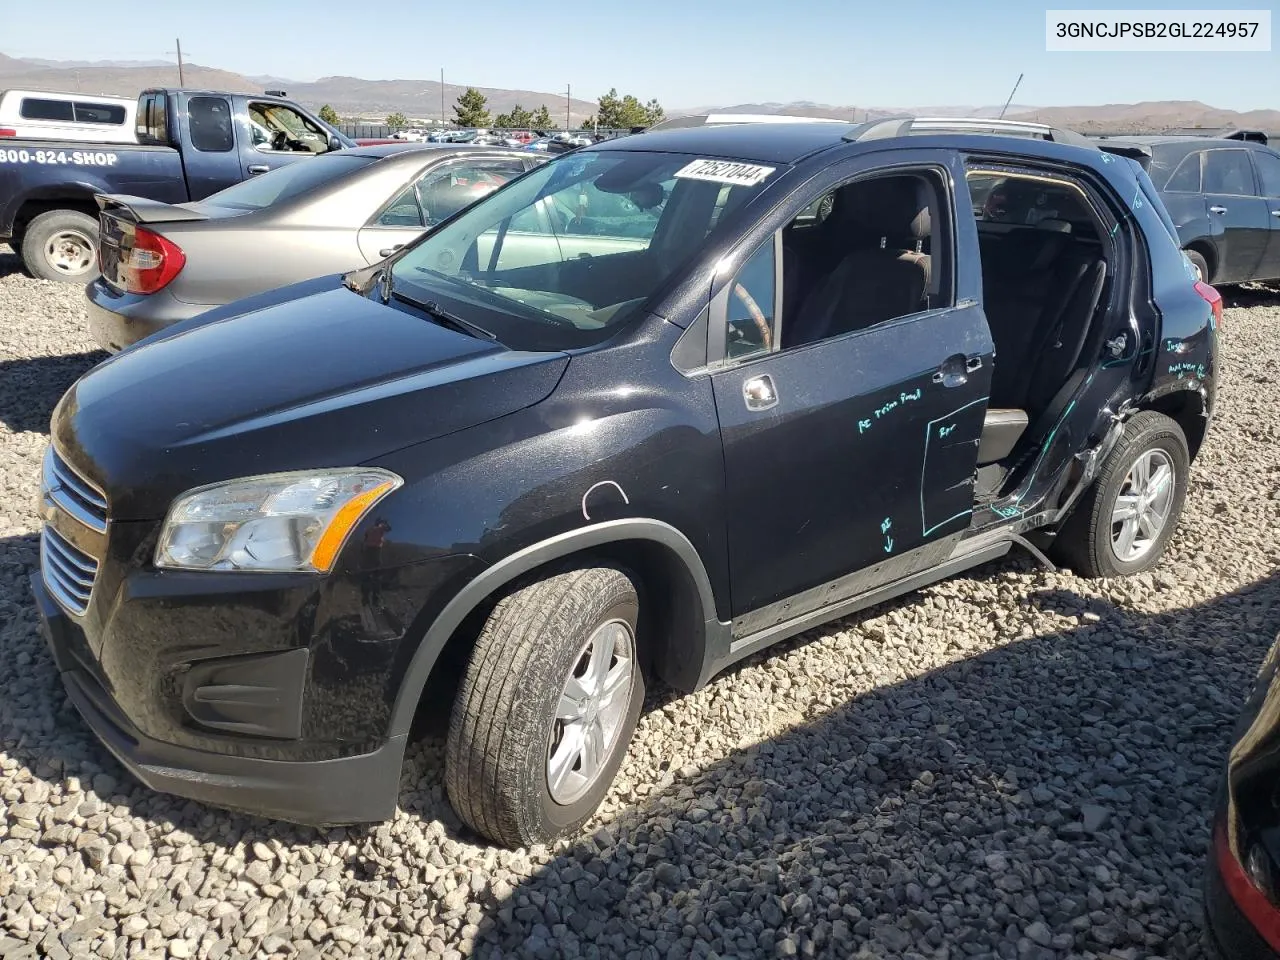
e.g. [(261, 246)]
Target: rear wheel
[(547, 706), (1124, 522), (1199, 263), (62, 245)]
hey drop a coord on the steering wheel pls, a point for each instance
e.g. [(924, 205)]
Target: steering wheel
[(757, 315), (280, 140)]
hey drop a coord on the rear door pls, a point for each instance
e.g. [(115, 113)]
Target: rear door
[(1268, 168), (1231, 195), (432, 195), (209, 145), (849, 461)]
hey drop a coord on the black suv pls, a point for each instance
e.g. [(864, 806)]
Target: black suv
[(1223, 194), (642, 412)]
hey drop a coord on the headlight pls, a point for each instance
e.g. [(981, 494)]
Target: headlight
[(283, 522)]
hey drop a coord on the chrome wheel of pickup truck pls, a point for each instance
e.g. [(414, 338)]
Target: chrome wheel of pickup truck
[(69, 252)]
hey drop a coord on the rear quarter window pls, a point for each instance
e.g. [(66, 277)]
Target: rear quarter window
[(1186, 177), (109, 113)]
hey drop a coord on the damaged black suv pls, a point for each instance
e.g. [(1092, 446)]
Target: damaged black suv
[(647, 409)]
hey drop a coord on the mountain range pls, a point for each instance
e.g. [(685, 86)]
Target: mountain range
[(421, 99)]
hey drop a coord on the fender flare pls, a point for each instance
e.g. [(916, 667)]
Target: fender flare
[(716, 634)]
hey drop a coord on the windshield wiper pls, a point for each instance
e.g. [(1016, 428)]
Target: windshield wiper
[(439, 313)]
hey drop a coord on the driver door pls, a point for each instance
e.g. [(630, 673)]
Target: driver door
[(273, 134)]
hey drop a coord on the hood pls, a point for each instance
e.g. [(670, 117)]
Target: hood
[(326, 379)]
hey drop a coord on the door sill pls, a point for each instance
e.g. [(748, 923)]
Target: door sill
[(964, 557)]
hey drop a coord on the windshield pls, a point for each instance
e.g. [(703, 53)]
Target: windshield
[(567, 253), (286, 182)]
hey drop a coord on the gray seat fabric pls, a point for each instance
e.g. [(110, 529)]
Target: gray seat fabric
[(878, 229)]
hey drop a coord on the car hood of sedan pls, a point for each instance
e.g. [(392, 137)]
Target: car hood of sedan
[(328, 379)]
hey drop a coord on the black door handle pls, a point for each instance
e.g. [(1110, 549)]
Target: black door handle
[(973, 363), (952, 371)]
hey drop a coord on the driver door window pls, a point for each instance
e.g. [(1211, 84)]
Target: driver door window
[(276, 128)]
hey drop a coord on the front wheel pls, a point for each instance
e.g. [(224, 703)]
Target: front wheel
[(1124, 522), (547, 707), (62, 245)]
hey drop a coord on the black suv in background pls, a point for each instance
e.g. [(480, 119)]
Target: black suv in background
[(645, 410), (1224, 197)]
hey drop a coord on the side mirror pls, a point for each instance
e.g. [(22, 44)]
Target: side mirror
[(335, 143)]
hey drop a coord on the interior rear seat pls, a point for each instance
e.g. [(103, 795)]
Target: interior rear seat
[(1044, 288)]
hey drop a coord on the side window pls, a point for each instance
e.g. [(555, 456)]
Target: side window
[(210, 123), (444, 190), (33, 109), (1229, 172), (749, 327), (404, 210), (1268, 172), (281, 129), (1186, 179)]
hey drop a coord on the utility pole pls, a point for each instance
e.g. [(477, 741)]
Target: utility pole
[(567, 123), (181, 81), (442, 97)]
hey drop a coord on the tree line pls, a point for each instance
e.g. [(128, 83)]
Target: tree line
[(472, 110)]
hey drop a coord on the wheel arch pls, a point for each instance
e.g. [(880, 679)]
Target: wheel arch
[(682, 635), (72, 196), (1187, 409)]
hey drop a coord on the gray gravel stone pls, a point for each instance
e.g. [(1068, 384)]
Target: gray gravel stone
[(1013, 764)]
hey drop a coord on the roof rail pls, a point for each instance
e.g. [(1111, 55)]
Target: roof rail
[(716, 119), (903, 126)]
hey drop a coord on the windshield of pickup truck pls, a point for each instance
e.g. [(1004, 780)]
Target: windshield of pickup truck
[(564, 255), (287, 182)]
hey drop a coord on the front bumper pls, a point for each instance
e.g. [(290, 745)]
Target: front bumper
[(357, 789), (118, 320)]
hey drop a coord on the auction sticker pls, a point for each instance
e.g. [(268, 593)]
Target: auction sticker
[(724, 171), (83, 158)]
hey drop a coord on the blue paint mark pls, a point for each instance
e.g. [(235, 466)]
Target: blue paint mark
[(864, 426), (885, 524), (1115, 229), (1008, 513), (1108, 158), (1184, 369), (1137, 199), (888, 544)]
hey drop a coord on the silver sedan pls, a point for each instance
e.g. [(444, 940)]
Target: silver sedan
[(162, 263)]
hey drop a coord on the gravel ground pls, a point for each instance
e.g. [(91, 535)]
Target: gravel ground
[(1012, 764)]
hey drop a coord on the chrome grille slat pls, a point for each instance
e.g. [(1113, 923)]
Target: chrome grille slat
[(73, 494), (68, 573)]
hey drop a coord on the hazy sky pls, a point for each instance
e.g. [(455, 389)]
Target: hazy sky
[(684, 52)]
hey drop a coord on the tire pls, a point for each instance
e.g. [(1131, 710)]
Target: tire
[(1198, 261), (62, 245), (504, 733), (1091, 540)]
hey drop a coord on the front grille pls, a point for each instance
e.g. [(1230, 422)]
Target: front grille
[(73, 493), (68, 573)]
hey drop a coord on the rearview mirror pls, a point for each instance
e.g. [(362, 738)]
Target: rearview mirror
[(335, 143)]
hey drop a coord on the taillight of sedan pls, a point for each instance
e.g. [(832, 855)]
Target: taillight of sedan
[(150, 263)]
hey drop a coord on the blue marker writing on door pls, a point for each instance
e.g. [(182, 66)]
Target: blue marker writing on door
[(885, 524)]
